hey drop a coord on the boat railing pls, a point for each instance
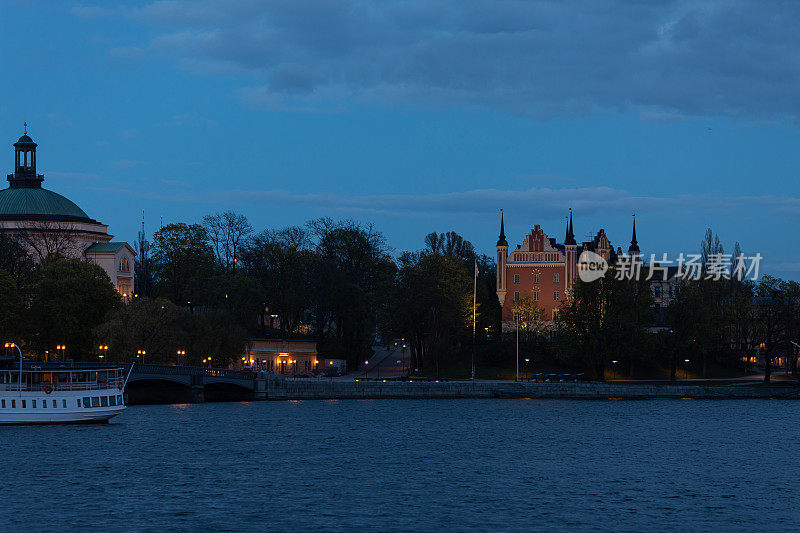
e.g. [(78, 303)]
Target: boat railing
[(63, 386)]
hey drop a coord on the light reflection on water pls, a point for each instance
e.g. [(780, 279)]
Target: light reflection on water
[(412, 464)]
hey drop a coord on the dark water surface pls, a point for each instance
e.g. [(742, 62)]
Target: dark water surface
[(406, 465)]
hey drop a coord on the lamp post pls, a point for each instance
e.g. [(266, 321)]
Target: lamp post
[(141, 354), (14, 345), (527, 368), (179, 353), (61, 348), (102, 351), (614, 363), (366, 363), (516, 320), (686, 369)]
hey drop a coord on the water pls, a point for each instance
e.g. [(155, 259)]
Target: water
[(411, 465)]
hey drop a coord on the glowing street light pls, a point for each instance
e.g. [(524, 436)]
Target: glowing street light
[(615, 368), (103, 348), (686, 369)]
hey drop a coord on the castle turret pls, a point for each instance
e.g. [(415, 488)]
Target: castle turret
[(570, 253), (502, 255), (633, 249)]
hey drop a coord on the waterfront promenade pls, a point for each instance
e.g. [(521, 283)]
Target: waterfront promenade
[(232, 385)]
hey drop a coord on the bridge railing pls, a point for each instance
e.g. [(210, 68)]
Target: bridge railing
[(140, 368)]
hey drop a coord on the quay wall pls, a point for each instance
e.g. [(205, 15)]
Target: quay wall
[(284, 389)]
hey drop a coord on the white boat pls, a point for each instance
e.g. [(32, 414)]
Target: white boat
[(65, 395)]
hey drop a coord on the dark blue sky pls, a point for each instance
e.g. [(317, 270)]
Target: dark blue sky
[(419, 116)]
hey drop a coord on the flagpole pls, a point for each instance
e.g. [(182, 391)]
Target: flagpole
[(474, 304)]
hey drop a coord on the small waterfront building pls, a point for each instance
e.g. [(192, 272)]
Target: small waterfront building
[(49, 224), (282, 356)]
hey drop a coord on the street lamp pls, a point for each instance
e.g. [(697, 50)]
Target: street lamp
[(14, 345), (516, 317), (365, 369), (527, 360), (103, 351), (61, 348), (615, 369), (179, 353), (141, 354), (686, 369)]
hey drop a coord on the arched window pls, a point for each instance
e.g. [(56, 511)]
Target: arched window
[(123, 265)]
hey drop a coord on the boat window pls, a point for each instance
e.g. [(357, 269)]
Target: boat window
[(104, 401), (85, 402), (3, 404), (55, 404), (112, 401), (44, 404), (13, 404), (33, 404), (23, 404), (64, 405), (95, 401)]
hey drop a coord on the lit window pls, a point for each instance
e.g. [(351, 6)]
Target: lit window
[(123, 265)]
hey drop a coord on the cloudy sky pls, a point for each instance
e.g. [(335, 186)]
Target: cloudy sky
[(419, 115)]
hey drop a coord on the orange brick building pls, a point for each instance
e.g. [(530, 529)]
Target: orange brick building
[(544, 270)]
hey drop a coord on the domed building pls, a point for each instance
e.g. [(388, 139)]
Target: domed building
[(49, 224)]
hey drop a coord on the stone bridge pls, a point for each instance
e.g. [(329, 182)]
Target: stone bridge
[(194, 379)]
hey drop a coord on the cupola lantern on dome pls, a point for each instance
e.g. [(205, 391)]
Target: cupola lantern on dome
[(25, 163)]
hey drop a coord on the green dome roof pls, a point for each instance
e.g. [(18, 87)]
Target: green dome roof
[(35, 203)]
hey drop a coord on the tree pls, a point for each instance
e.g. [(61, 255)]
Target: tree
[(604, 320), (12, 309), (281, 261), (182, 262), (70, 298), (152, 325), (51, 239), (228, 233), (351, 272)]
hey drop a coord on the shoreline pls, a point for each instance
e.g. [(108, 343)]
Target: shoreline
[(276, 389)]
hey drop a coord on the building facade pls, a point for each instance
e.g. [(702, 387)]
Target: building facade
[(540, 272), (49, 224)]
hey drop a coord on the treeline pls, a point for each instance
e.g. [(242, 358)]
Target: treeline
[(335, 282), (612, 325)]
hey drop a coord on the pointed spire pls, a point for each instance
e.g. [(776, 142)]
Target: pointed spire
[(634, 247), (501, 240), (570, 238), (25, 128)]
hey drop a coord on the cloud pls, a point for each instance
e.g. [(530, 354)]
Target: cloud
[(550, 202), (665, 60), (128, 133)]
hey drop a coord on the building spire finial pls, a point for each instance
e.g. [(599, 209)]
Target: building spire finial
[(25, 128), (634, 247), (570, 237), (501, 240)]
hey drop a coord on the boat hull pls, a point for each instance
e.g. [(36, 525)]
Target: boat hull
[(59, 407)]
